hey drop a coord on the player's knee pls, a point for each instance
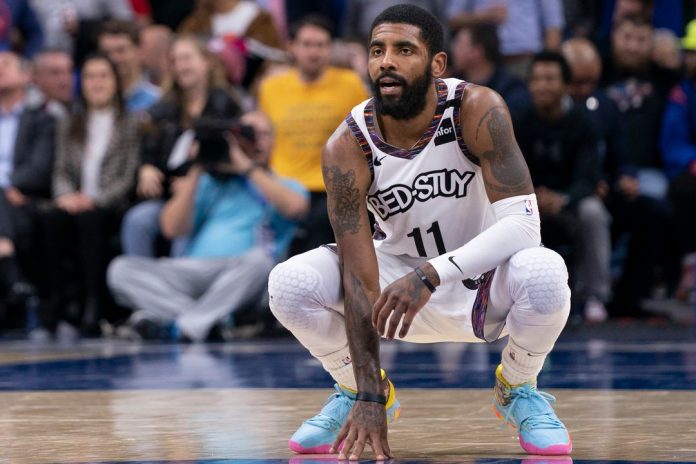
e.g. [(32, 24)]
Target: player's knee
[(541, 275), (292, 288)]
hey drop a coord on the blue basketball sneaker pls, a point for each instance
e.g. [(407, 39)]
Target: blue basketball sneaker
[(317, 435), (529, 410)]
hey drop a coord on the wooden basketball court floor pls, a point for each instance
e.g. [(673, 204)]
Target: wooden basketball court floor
[(626, 392)]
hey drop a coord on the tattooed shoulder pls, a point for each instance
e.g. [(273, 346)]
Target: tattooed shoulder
[(340, 136), (342, 182), (506, 170)]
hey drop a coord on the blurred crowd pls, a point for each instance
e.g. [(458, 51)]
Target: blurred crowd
[(157, 158)]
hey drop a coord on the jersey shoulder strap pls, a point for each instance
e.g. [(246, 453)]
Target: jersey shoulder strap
[(455, 102), (362, 142)]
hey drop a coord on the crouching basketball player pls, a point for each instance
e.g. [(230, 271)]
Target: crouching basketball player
[(456, 247)]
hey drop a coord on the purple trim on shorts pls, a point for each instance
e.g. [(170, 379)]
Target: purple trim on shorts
[(332, 247), (478, 313)]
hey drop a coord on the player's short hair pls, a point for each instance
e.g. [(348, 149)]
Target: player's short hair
[(315, 20), (484, 36), (549, 56), (430, 28), (121, 27)]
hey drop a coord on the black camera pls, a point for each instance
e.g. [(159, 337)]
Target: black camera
[(212, 135)]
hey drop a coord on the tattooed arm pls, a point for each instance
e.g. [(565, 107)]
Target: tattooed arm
[(487, 132), (347, 180)]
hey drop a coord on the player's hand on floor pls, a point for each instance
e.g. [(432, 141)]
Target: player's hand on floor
[(366, 424), (404, 297)]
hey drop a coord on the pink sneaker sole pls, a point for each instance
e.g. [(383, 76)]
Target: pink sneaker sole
[(555, 450), (299, 449)]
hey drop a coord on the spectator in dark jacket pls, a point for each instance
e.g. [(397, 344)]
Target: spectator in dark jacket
[(638, 198), (18, 15), (198, 90), (639, 89), (26, 156), (476, 58), (96, 161), (562, 151), (641, 220)]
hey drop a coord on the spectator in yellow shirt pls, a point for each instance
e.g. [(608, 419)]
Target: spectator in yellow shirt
[(305, 104)]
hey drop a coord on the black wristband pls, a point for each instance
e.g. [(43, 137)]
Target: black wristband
[(425, 280), (249, 170), (371, 397)]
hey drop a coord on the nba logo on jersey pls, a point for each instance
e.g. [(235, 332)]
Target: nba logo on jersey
[(528, 207), (445, 133)]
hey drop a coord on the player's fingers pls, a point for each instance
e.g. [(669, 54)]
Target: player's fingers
[(358, 447), (376, 442), (339, 438), (406, 323), (386, 448), (395, 319), (376, 307), (347, 445), (384, 313)]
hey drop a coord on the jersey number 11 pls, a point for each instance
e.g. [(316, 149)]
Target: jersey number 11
[(437, 236)]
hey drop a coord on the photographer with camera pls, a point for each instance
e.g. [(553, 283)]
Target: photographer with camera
[(196, 88), (239, 218)]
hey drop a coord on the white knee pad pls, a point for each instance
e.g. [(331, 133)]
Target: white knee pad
[(542, 275), (293, 288)]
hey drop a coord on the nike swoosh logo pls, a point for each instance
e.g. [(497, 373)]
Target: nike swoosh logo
[(451, 260), (534, 355), (378, 161)]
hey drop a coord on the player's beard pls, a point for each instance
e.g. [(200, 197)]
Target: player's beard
[(413, 96)]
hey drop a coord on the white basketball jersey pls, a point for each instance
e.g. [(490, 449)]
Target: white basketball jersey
[(429, 199)]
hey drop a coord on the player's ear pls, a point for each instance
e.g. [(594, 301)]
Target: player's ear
[(439, 64)]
